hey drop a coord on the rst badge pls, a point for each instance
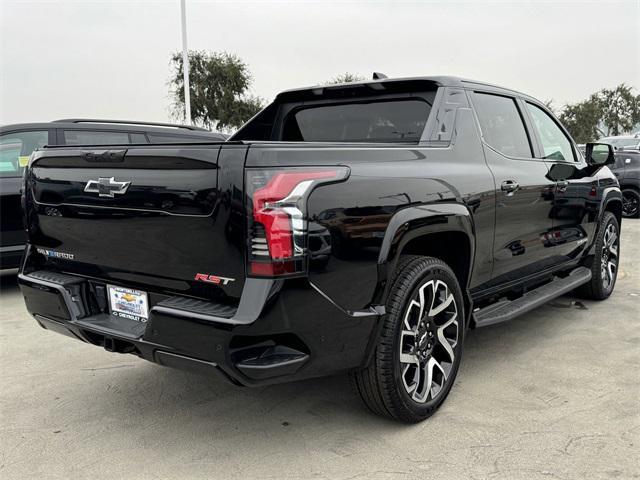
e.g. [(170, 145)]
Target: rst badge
[(106, 187), (204, 277)]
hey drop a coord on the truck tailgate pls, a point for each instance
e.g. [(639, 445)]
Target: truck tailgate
[(157, 212)]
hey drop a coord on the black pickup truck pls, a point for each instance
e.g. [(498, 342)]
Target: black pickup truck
[(361, 227)]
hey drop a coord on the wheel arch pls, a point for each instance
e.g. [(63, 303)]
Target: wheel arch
[(612, 202), (443, 231)]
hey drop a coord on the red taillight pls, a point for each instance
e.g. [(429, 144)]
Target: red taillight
[(277, 217)]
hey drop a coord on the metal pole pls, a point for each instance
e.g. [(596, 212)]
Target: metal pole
[(185, 62)]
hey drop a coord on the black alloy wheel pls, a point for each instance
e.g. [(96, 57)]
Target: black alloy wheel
[(630, 203), (419, 349)]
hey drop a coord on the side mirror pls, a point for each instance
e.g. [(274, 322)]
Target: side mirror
[(599, 154)]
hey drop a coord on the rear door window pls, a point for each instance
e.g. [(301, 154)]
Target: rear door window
[(15, 149), (555, 144), (502, 125), (381, 121), (95, 137), (619, 162)]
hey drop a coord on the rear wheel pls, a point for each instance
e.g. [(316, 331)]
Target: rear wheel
[(604, 267), (420, 347), (630, 203)]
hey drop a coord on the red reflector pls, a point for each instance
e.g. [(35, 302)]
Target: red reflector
[(269, 269)]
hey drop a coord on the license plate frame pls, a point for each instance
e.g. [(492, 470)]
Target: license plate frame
[(128, 303)]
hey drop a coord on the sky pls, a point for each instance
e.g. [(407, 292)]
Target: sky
[(110, 59)]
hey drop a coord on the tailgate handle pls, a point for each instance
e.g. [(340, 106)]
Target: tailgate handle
[(104, 156)]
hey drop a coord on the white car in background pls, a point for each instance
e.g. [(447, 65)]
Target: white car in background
[(623, 142)]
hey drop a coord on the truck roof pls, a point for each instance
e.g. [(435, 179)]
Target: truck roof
[(383, 83)]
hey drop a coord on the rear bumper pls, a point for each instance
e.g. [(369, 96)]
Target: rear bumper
[(280, 331)]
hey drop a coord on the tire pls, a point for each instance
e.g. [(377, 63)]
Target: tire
[(630, 203), (416, 357), (604, 265)]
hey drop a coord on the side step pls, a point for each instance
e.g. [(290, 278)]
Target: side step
[(505, 310)]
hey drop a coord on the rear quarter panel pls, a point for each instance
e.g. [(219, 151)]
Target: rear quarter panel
[(354, 217)]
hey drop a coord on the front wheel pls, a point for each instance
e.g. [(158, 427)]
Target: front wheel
[(630, 203), (419, 350), (604, 266)]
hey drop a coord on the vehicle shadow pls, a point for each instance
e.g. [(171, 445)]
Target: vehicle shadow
[(188, 401)]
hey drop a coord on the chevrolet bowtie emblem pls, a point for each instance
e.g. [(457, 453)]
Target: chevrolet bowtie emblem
[(106, 187)]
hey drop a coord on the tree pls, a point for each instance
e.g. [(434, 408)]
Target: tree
[(582, 119), (621, 109), (345, 78), (607, 112), (219, 84)]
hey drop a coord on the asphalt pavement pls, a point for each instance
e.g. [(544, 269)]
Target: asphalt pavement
[(554, 394)]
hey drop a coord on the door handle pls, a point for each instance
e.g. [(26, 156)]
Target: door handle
[(509, 186), (562, 185)]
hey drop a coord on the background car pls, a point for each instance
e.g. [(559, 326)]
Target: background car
[(18, 141), (627, 169), (623, 142)]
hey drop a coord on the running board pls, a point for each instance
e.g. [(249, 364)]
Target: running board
[(505, 310)]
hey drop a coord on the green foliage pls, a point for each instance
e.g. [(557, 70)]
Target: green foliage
[(582, 119), (219, 83), (620, 109), (616, 110), (345, 78)]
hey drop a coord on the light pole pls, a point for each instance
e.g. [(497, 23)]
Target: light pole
[(185, 62)]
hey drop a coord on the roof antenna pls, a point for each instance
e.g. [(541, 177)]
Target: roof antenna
[(379, 76)]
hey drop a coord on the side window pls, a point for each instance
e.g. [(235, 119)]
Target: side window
[(620, 161), (555, 144), (168, 138), (89, 137), (454, 98), (501, 124), (15, 149)]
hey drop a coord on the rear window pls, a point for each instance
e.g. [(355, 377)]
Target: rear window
[(383, 121)]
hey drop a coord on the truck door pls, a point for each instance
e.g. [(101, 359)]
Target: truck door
[(575, 198), (524, 191)]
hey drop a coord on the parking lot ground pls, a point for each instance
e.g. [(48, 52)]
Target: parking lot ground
[(553, 394)]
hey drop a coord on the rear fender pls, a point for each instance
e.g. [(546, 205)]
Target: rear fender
[(416, 222), (412, 224)]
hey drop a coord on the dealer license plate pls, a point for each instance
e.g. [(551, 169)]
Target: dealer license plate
[(128, 303)]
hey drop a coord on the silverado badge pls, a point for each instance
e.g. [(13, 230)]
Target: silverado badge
[(106, 187)]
